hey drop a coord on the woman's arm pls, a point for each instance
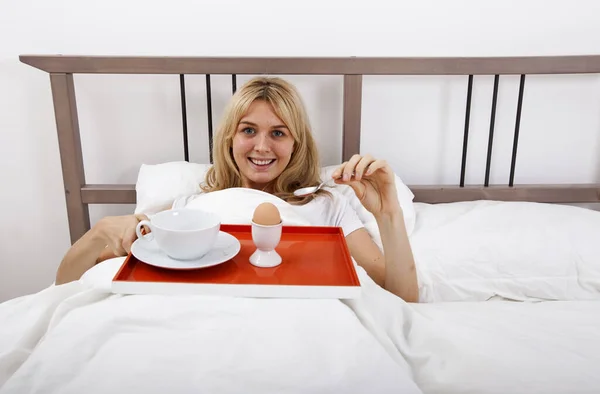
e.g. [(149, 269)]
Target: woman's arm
[(373, 182), (401, 273), (367, 255), (110, 237), (394, 270), (81, 256)]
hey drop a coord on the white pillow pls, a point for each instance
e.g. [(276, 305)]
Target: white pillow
[(158, 185), (523, 251)]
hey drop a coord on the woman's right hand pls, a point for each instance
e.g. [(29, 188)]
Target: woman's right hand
[(110, 237), (118, 232)]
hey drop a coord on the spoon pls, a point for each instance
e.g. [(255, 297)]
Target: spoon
[(305, 191)]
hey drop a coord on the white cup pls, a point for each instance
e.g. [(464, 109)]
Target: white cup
[(183, 234)]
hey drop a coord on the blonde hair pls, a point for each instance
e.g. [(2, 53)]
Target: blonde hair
[(302, 170)]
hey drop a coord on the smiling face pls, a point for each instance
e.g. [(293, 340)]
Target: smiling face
[(262, 146), (264, 141)]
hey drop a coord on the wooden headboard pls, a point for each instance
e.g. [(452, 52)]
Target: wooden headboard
[(79, 194)]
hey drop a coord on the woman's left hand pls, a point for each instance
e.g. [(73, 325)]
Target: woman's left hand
[(373, 183)]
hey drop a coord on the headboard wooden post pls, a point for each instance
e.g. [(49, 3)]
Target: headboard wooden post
[(69, 142), (352, 116)]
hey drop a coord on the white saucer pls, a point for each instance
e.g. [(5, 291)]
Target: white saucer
[(226, 247)]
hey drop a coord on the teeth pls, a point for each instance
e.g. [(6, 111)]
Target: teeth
[(261, 162)]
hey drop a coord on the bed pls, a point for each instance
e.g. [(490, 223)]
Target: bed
[(509, 276)]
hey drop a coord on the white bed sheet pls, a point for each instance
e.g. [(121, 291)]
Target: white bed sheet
[(78, 338), (506, 347)]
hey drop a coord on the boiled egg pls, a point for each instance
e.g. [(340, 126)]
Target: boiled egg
[(266, 214)]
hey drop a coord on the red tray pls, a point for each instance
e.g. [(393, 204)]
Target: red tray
[(316, 263)]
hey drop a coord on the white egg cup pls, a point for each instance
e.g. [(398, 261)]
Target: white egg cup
[(266, 239)]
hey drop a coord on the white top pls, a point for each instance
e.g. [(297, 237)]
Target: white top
[(322, 211), (331, 211)]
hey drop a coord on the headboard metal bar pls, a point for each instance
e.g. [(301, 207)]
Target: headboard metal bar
[(210, 119), (511, 179), (315, 66), (352, 115), (69, 142), (488, 162), (186, 150), (463, 166)]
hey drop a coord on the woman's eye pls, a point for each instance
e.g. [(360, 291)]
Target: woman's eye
[(248, 130), (278, 133)]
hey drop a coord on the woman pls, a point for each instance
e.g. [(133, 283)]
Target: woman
[(265, 142)]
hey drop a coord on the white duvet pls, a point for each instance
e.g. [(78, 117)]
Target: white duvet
[(75, 339), (80, 338), (506, 347)]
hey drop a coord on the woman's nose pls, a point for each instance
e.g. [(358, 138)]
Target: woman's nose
[(261, 143)]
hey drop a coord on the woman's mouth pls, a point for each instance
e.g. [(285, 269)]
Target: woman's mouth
[(261, 163)]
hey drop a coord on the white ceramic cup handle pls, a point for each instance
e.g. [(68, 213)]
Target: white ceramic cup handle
[(138, 230)]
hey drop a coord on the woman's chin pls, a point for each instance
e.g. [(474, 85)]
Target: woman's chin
[(262, 179), (259, 181)]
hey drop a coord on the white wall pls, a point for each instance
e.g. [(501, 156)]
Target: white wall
[(420, 118)]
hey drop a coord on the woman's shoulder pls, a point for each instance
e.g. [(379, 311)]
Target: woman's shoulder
[(333, 200), (337, 195), (342, 201), (183, 201), (333, 209)]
